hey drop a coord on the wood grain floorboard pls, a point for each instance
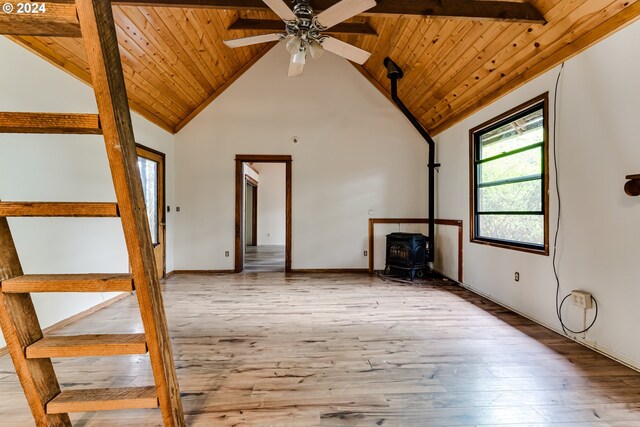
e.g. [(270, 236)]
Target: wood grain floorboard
[(271, 349), (264, 258)]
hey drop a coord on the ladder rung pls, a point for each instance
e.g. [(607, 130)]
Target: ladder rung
[(87, 345), (68, 283), (58, 209), (53, 20), (105, 399), (82, 124)]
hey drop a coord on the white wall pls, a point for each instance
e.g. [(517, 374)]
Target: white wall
[(356, 152), (271, 204), (598, 144), (63, 168)]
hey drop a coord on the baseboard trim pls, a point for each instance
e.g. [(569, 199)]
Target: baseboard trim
[(204, 272), (455, 281), (602, 350), (330, 270), (296, 270), (69, 320)]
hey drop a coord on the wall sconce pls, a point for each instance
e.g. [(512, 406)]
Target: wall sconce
[(632, 187)]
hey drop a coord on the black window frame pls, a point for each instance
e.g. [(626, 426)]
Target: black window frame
[(475, 134)]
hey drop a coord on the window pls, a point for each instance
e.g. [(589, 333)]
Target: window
[(149, 174), (509, 179)]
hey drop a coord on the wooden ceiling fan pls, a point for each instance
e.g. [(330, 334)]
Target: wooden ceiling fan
[(303, 31)]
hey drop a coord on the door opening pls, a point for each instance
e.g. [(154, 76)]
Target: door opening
[(151, 166), (263, 218), (251, 211)]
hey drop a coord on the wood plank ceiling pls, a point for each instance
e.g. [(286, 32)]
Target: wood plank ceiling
[(175, 62)]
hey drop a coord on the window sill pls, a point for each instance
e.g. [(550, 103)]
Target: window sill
[(544, 251)]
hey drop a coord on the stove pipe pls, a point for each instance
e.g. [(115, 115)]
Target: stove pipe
[(394, 73)]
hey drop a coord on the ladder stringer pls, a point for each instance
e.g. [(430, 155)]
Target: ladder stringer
[(21, 328), (98, 32)]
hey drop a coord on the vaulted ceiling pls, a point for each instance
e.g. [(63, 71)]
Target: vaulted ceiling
[(175, 63)]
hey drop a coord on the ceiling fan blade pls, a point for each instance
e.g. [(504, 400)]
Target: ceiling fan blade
[(345, 50), (343, 10), (246, 41), (295, 69), (281, 9)]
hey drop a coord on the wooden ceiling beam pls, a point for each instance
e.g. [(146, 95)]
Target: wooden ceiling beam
[(81, 124), (470, 9), (49, 19), (273, 25)]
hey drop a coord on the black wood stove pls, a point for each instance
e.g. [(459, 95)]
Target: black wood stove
[(407, 254)]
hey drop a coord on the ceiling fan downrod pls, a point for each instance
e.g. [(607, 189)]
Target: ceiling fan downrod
[(303, 12), (303, 34)]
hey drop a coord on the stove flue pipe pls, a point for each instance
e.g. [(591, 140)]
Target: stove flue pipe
[(394, 73)]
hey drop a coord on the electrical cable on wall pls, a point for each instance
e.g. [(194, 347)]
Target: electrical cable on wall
[(559, 303)]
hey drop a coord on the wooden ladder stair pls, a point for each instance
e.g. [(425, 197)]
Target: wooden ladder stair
[(30, 350)]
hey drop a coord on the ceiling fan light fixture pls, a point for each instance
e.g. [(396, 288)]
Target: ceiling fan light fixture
[(300, 57), (293, 45), (303, 31), (315, 49)]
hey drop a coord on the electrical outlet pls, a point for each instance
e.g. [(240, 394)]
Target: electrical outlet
[(516, 277), (226, 253), (581, 299), (366, 253)]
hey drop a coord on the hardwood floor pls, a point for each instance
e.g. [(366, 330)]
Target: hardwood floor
[(264, 258), (271, 349)]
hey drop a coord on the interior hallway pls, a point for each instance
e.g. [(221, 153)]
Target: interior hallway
[(264, 258), (347, 350)]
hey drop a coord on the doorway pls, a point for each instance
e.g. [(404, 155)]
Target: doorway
[(151, 166), (251, 211), (249, 250)]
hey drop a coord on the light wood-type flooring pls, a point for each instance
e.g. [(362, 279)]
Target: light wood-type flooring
[(264, 258), (271, 349)]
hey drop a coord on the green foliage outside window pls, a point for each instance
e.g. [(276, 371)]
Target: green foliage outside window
[(509, 180)]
